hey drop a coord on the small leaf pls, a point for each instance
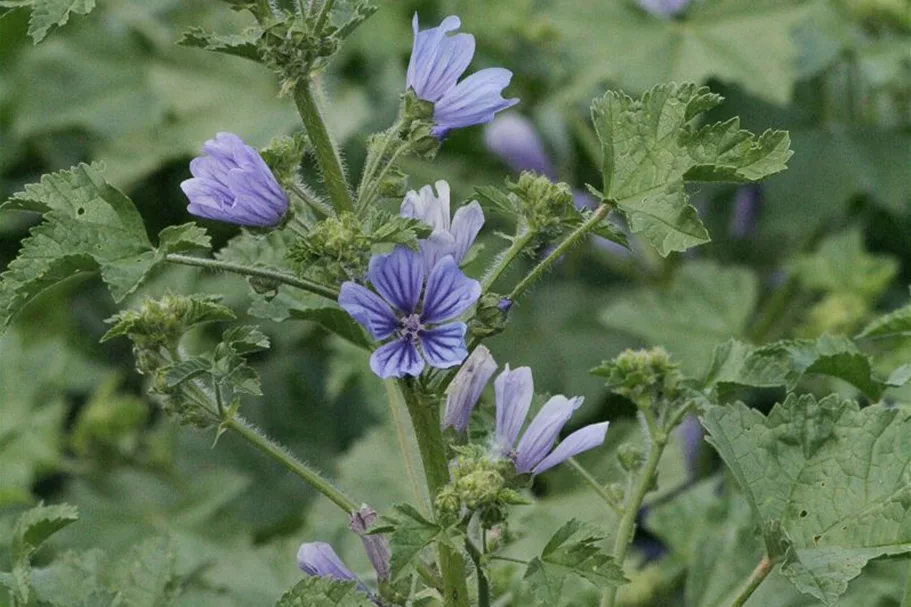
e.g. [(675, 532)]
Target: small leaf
[(240, 45), (186, 370), (47, 14), (186, 237), (412, 533), (498, 199), (246, 339), (34, 526), (324, 592), (841, 264), (893, 324)]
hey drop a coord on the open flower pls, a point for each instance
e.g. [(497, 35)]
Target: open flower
[(437, 61), (418, 326), (449, 237), (232, 183), (664, 8)]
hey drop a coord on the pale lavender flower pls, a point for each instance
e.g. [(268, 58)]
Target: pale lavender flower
[(466, 388), (664, 8), (231, 182), (420, 329), (514, 140), (748, 202), (376, 546), (319, 559), (449, 237), (438, 59)]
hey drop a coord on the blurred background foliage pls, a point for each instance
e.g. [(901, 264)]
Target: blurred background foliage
[(826, 247)]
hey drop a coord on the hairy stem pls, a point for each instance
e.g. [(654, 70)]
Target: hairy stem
[(762, 570), (397, 408), (505, 259), (369, 188), (594, 484), (327, 156), (483, 584), (227, 266), (323, 16), (627, 527), (558, 252), (282, 456), (425, 417)]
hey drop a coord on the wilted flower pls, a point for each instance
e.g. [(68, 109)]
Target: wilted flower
[(376, 546), (437, 61), (664, 8), (466, 388), (232, 183), (449, 237), (399, 278), (513, 138)]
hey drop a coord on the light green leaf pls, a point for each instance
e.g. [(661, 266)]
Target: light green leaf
[(651, 147), (704, 306), (239, 45), (841, 264), (186, 370), (47, 14), (893, 324), (185, 237), (829, 482), (74, 580), (88, 225), (412, 534), (149, 578), (34, 526), (572, 551), (324, 592)]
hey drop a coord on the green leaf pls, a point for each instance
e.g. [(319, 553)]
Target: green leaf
[(47, 14), (186, 237), (651, 148), (88, 225), (704, 306), (784, 363), (893, 324), (411, 535), (186, 370), (149, 578), (246, 339), (239, 45), (573, 550), (324, 592), (829, 482), (173, 313), (841, 264), (34, 526), (74, 580)]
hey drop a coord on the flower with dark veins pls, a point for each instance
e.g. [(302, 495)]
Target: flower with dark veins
[(421, 328), (438, 59), (231, 182)]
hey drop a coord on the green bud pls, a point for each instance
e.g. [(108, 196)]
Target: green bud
[(631, 457), (616, 492), (545, 205), (490, 316), (334, 250), (639, 374), (417, 126), (283, 155)]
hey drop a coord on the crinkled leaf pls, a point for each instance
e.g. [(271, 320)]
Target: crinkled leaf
[(186, 370), (74, 580), (324, 592), (573, 550), (88, 225), (651, 147), (412, 533), (504, 202), (246, 339), (183, 311), (841, 264), (784, 363), (185, 237), (704, 306), (239, 45), (829, 482)]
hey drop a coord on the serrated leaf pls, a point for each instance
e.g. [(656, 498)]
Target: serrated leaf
[(47, 14), (74, 580), (651, 148), (186, 370), (324, 592), (246, 339), (841, 264), (704, 306), (186, 237), (240, 45), (149, 578), (784, 363), (88, 225), (34, 526), (498, 199), (832, 479), (183, 312), (412, 534), (573, 550), (893, 324), (335, 320)]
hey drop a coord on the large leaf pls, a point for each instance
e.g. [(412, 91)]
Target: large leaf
[(324, 592), (704, 306), (651, 147), (829, 482)]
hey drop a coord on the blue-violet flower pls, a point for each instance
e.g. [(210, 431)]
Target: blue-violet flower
[(466, 388), (319, 559), (437, 61), (513, 138), (417, 327), (231, 182), (453, 237), (664, 8)]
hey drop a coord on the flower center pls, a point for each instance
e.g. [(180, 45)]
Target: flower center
[(410, 327)]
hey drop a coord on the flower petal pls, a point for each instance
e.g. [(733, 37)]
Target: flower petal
[(581, 440), (513, 390), (438, 59), (449, 292), (398, 277), (543, 430), (466, 224), (396, 359), (466, 387), (369, 309), (319, 559), (475, 100), (444, 346), (427, 206), (435, 247)]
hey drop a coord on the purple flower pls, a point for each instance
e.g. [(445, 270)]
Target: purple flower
[(376, 546), (416, 327), (747, 206), (513, 138), (319, 559), (664, 8), (232, 183), (449, 237), (466, 388), (437, 61)]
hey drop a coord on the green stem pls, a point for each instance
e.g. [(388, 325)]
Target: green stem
[(327, 156), (507, 559), (397, 408), (425, 417), (282, 456), (483, 585), (506, 258), (227, 266), (594, 484), (323, 17), (368, 193), (627, 526), (311, 201), (760, 573), (596, 217)]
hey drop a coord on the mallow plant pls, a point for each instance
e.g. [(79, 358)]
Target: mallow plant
[(392, 267)]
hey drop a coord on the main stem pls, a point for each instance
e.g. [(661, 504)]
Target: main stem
[(425, 418), (236, 268), (327, 156), (505, 260), (762, 570)]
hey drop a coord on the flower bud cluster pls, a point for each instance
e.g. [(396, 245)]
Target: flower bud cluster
[(642, 374), (546, 205), (417, 125), (334, 250), (479, 484)]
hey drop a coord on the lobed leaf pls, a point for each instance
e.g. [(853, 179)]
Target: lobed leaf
[(324, 592), (239, 45)]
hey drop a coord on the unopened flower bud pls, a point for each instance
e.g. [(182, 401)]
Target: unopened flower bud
[(466, 388)]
